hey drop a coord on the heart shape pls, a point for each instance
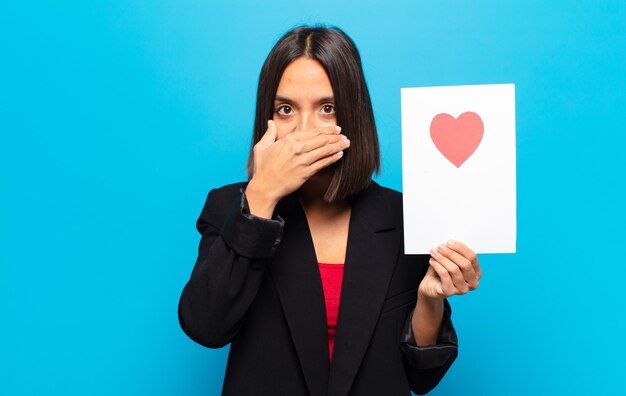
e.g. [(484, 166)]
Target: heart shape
[(457, 138)]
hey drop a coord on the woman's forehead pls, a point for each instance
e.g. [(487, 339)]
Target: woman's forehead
[(304, 78)]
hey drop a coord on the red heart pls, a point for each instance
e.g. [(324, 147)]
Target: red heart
[(457, 138)]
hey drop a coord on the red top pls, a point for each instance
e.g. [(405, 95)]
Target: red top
[(332, 275)]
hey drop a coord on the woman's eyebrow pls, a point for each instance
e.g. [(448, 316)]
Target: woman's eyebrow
[(282, 99), (320, 100)]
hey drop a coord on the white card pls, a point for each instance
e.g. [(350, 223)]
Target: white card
[(458, 167)]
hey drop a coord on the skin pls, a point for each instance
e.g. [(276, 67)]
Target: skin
[(301, 142)]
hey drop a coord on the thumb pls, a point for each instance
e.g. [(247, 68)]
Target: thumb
[(270, 135)]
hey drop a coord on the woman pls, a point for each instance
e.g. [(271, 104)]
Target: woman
[(311, 226)]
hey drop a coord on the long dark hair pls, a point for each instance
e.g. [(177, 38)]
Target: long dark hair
[(337, 53)]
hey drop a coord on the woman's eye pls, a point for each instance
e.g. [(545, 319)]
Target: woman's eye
[(328, 109), (284, 110)]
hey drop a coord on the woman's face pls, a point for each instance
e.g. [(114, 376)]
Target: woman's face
[(304, 99)]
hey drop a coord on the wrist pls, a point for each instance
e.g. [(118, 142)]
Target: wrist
[(260, 201), (427, 318), (428, 301)]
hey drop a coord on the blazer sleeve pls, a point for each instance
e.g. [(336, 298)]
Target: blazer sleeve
[(426, 365), (234, 250)]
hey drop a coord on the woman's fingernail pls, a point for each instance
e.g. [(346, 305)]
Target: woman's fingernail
[(337, 128), (441, 248), (451, 243)]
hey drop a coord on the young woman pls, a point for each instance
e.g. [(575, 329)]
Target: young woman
[(302, 268)]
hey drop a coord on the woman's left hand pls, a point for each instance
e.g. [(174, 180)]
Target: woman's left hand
[(454, 269)]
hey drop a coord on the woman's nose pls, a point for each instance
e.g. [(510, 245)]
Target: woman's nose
[(308, 121)]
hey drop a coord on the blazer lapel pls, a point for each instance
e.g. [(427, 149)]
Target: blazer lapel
[(371, 253), (296, 274), (373, 246)]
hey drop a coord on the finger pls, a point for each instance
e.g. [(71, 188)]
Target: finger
[(270, 135), (321, 141), (326, 150), (324, 162), (467, 269), (328, 130), (455, 272), (463, 250), (306, 135), (299, 145), (447, 285), (468, 254)]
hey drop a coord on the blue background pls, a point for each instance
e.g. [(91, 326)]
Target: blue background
[(117, 117)]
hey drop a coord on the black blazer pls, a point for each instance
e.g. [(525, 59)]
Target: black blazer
[(256, 285)]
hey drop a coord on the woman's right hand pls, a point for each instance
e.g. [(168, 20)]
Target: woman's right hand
[(281, 166)]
